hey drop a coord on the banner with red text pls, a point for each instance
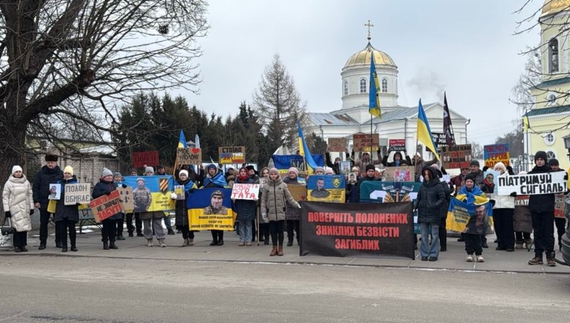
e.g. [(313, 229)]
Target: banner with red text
[(357, 229)]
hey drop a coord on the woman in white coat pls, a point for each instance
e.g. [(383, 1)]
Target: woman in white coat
[(18, 204)]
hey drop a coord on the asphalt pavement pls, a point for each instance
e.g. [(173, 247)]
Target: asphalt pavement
[(90, 245)]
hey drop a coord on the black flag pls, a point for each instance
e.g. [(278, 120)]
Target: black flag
[(447, 128)]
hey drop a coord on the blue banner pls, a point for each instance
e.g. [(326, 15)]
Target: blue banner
[(210, 209), (151, 193), (283, 162)]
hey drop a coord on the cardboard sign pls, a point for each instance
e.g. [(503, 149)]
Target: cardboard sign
[(141, 158), (533, 184), (496, 153), (77, 193), (458, 156), (232, 155), (337, 145), (299, 192), (106, 206), (362, 142), (54, 192), (397, 144), (187, 156), (242, 191), (400, 174), (127, 198)]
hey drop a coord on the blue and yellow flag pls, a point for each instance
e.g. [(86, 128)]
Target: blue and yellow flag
[(304, 151), (424, 131), (182, 140), (526, 124), (374, 98)]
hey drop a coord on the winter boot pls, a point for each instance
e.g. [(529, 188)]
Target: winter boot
[(537, 260), (149, 243), (280, 252), (112, 245), (64, 248), (550, 261), (185, 243), (190, 242), (161, 242), (42, 245), (289, 242), (273, 251), (105, 245), (73, 248)]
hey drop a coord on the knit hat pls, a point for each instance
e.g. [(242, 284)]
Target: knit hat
[(329, 171), (68, 169), (319, 169), (140, 179), (16, 168), (471, 176), (217, 192), (106, 172), (159, 166), (212, 166), (250, 167), (500, 165), (553, 162), (474, 162), (183, 172), (369, 167), (294, 170), (50, 157), (115, 174), (148, 169), (540, 154), (273, 171)]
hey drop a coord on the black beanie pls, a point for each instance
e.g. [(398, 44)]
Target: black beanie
[(50, 157), (540, 154), (472, 177), (370, 166), (553, 162)]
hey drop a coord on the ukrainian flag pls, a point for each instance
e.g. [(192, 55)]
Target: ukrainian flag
[(374, 98), (304, 151), (182, 140), (525, 123), (424, 131)]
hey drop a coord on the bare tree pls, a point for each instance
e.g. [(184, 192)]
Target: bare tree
[(529, 80), (278, 104), (65, 63)]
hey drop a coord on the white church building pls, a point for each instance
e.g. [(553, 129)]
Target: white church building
[(397, 122)]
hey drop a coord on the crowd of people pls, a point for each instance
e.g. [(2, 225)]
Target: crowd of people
[(279, 212)]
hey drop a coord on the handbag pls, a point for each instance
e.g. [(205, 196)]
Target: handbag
[(6, 230)]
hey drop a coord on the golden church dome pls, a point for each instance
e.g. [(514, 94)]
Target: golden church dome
[(363, 57), (551, 7)]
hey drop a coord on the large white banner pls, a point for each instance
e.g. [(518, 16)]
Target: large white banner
[(533, 184)]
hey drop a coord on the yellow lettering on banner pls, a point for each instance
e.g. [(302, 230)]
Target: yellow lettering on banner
[(199, 221)]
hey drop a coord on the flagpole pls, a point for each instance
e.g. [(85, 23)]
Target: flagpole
[(371, 140)]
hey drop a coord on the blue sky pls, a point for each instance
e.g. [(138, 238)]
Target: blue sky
[(467, 48)]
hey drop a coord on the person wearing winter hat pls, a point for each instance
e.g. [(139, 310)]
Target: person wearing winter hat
[(542, 212), (443, 210), (292, 214), (152, 220), (559, 218), (215, 179), (109, 230), (181, 209), (369, 176), (161, 172), (66, 216), (246, 210), (319, 170), (148, 171), (474, 167), (118, 181), (503, 211), (329, 171), (49, 174), (397, 160), (18, 203), (274, 197), (430, 200)]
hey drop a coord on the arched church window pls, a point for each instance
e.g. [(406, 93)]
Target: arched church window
[(384, 85), (363, 86), (345, 87), (553, 55)]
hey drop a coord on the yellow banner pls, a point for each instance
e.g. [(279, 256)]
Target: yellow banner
[(202, 219)]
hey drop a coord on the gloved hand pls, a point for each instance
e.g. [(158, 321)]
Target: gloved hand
[(299, 206), (513, 194), (8, 214), (31, 212), (265, 218), (173, 196), (124, 186)]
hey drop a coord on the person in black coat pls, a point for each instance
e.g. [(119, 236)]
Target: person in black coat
[(246, 210), (355, 196), (443, 209), (49, 174), (66, 216), (105, 187), (542, 212), (181, 208), (397, 159), (430, 200)]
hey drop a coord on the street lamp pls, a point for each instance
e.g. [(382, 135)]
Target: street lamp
[(567, 143)]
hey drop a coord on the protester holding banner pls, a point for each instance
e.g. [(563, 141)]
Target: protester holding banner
[(542, 212), (334, 166), (443, 209), (365, 159), (559, 216), (152, 220), (292, 214), (181, 209), (397, 160), (369, 176), (66, 216), (431, 198), (522, 221), (275, 196), (503, 214), (245, 211), (215, 179), (105, 187), (49, 174), (161, 171), (118, 181), (18, 203)]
